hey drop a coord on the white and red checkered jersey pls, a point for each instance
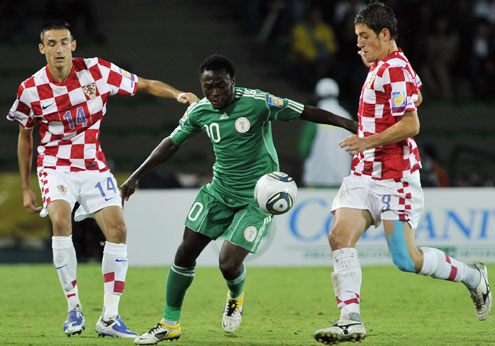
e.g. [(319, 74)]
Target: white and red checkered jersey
[(390, 90), (69, 113)]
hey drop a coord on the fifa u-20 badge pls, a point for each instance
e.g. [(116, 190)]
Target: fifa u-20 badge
[(398, 101), (90, 90), (275, 101)]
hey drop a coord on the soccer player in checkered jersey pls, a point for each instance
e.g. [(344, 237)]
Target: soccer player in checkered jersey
[(238, 122), (384, 182), (67, 99)]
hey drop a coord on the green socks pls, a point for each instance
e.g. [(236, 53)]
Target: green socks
[(178, 281)]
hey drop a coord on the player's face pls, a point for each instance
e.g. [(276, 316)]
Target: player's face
[(218, 87), (57, 47), (372, 46)]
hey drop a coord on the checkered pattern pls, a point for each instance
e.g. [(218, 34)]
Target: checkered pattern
[(112, 284), (69, 114), (390, 90)]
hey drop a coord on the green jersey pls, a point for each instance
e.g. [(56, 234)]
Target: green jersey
[(241, 136)]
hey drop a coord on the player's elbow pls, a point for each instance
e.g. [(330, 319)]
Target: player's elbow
[(415, 129)]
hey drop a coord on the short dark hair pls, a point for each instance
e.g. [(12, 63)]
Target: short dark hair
[(378, 16), (57, 24), (217, 62)]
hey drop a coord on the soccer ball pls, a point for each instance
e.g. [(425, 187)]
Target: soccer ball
[(275, 193)]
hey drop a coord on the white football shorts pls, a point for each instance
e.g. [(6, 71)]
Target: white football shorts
[(93, 190), (385, 199)]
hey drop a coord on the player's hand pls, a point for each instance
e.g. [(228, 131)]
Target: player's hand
[(127, 189), (187, 97), (29, 200), (353, 144)]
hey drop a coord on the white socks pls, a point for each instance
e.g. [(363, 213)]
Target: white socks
[(439, 265), (65, 261), (114, 269), (347, 277)]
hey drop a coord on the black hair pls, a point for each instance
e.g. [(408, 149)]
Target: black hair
[(378, 16), (217, 62), (57, 24)]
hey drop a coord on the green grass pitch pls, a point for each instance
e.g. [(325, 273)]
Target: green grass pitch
[(283, 306)]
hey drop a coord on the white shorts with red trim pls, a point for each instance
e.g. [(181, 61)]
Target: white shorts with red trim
[(390, 199), (93, 190)]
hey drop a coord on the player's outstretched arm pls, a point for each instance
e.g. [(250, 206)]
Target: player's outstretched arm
[(321, 116), (161, 89), (161, 153), (25, 158)]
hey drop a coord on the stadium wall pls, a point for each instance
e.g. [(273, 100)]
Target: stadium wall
[(460, 221)]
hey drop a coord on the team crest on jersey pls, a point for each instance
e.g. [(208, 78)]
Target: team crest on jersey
[(242, 125), (398, 100), (275, 101), (90, 90), (371, 78), (62, 189), (250, 233)]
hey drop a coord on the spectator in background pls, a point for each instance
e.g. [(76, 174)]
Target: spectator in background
[(326, 164), (485, 9), (482, 65), (313, 47), (441, 51)]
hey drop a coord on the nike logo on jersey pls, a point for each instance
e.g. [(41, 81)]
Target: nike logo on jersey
[(120, 260), (224, 116), (45, 107), (107, 199), (61, 266)]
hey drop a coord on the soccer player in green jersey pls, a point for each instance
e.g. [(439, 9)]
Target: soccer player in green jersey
[(238, 123)]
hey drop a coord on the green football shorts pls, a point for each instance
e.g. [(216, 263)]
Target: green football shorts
[(214, 215)]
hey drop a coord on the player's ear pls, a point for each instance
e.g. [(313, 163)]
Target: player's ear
[(233, 82), (385, 34), (41, 47), (74, 45)]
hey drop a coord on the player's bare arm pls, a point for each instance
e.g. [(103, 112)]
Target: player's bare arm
[(407, 126), (161, 153), (161, 89), (420, 98), (320, 116), (25, 157)]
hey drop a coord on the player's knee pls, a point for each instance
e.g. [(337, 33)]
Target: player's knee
[(229, 268), (183, 257), (61, 226), (117, 232), (338, 238)]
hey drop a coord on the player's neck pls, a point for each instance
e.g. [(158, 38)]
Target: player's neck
[(391, 47), (60, 74)]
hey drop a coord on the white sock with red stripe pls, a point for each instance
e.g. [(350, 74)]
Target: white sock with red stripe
[(65, 261), (114, 269), (347, 277), (439, 265)]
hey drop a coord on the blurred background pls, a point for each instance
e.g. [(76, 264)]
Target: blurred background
[(281, 46)]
